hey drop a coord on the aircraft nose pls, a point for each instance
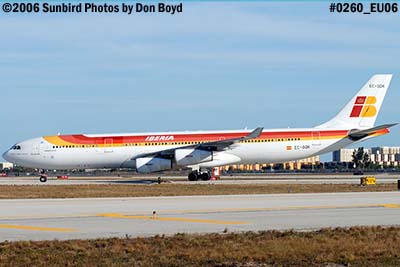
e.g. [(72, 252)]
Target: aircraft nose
[(6, 156)]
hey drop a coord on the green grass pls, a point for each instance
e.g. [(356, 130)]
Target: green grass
[(357, 246)]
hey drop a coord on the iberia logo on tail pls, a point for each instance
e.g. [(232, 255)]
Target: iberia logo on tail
[(364, 107)]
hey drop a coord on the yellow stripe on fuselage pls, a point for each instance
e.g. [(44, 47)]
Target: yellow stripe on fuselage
[(57, 141)]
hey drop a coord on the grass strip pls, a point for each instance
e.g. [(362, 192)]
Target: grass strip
[(87, 191), (356, 246)]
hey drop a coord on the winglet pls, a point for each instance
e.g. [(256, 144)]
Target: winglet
[(255, 133)]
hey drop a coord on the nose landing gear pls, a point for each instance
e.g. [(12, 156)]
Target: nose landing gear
[(43, 176)]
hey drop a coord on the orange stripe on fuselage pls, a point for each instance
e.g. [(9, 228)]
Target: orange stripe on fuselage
[(57, 141), (79, 139)]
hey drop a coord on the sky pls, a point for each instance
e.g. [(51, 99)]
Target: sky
[(217, 65)]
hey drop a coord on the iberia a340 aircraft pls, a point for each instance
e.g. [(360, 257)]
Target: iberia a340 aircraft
[(202, 150)]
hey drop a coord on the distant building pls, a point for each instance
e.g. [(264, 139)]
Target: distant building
[(385, 156), (342, 155), (346, 154), (6, 165), (299, 164), (291, 165)]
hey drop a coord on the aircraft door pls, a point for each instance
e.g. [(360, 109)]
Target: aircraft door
[(108, 145), (35, 151), (316, 138)]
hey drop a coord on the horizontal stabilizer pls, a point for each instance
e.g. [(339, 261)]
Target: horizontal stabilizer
[(356, 135)]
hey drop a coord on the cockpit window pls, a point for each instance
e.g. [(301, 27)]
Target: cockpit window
[(16, 147)]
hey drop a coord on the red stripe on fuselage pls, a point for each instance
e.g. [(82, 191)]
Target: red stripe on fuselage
[(83, 139)]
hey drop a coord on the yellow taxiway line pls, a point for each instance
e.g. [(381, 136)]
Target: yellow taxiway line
[(161, 213), (158, 218), (288, 208), (35, 228), (392, 206)]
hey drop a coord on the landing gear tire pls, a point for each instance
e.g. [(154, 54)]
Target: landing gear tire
[(205, 176), (193, 176), (43, 179)]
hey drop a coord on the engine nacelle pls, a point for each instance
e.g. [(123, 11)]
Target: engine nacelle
[(191, 156), (149, 164), (220, 159)]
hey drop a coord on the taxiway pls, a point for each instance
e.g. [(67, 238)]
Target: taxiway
[(46, 219)]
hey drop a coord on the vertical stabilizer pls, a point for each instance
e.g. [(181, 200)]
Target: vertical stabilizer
[(363, 108)]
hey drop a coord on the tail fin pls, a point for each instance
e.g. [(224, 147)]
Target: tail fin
[(363, 108)]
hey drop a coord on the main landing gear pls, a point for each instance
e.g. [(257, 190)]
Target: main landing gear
[(196, 175), (43, 176)]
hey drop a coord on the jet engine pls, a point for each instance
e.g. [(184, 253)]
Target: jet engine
[(150, 164), (191, 156)]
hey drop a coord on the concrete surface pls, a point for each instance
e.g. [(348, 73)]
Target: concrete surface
[(40, 219)]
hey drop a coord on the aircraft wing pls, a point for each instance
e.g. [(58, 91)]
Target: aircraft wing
[(208, 146), (356, 135), (222, 144)]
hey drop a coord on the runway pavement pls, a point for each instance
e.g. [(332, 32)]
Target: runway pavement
[(38, 219), (235, 179)]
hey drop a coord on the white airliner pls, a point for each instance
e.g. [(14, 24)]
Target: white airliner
[(202, 150)]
